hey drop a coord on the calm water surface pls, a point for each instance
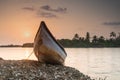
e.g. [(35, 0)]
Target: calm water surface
[(95, 62)]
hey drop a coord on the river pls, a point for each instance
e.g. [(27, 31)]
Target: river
[(95, 62)]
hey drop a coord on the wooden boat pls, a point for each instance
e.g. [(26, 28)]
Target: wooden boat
[(46, 48)]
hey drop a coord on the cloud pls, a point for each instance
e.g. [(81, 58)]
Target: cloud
[(28, 8), (112, 23), (47, 15), (58, 10), (46, 11)]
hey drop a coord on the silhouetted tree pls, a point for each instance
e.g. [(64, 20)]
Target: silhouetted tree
[(101, 39), (76, 37), (95, 39), (87, 39), (112, 35), (81, 39)]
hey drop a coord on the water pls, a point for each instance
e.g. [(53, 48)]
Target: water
[(95, 62)]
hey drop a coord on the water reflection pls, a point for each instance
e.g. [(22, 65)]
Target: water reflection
[(16, 53), (96, 62)]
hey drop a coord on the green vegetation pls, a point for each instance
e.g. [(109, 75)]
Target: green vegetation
[(95, 41)]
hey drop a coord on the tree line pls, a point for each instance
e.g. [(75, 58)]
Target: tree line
[(87, 41), (94, 41)]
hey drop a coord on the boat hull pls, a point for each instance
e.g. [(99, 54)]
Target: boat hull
[(46, 48)]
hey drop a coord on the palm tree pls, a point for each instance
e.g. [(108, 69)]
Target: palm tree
[(76, 37), (95, 39), (87, 37), (101, 39), (112, 35)]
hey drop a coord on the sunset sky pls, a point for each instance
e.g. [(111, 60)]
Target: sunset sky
[(20, 19)]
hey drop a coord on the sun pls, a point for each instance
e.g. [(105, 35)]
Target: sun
[(27, 34)]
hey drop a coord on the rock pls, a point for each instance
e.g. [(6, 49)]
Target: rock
[(34, 70)]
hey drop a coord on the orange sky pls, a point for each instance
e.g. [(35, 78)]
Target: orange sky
[(20, 19)]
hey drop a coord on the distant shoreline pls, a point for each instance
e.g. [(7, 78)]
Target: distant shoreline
[(64, 47), (83, 42), (8, 46)]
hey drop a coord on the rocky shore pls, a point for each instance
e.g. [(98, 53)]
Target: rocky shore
[(33, 70)]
